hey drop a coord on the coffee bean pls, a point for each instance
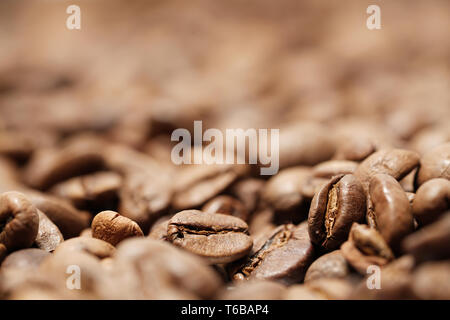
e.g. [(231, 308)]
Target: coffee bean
[(331, 168), (154, 269), (90, 191), (365, 247), (320, 289), (432, 199), (283, 191), (248, 192), (80, 155), (226, 205), (198, 184), (430, 242), (333, 209), (253, 290), (113, 228), (394, 283), (330, 265), (159, 229), (49, 236), (391, 209), (69, 220), (95, 247), (431, 281), (394, 162), (283, 255), (19, 221), (434, 164), (28, 259), (217, 237)]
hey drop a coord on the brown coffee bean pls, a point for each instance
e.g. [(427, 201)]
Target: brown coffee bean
[(144, 198), (248, 192), (365, 247), (430, 242), (49, 236), (113, 228), (80, 155), (90, 191), (355, 148), (331, 168), (391, 209), (28, 259), (283, 255), (198, 184), (154, 269), (432, 200), (93, 279), (253, 290), (19, 221), (69, 220), (304, 144), (86, 233), (217, 237), (283, 192), (434, 164), (226, 205), (431, 281), (394, 162), (159, 229), (333, 209), (394, 282), (320, 289), (95, 247), (430, 137), (330, 265)]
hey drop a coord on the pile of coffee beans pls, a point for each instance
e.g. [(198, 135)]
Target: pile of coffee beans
[(93, 207)]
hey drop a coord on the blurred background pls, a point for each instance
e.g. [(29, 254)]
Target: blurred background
[(138, 69)]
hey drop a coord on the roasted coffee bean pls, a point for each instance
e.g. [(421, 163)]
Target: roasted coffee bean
[(432, 199), (434, 164), (217, 237), (320, 289), (330, 265), (198, 184), (28, 259), (391, 211), (317, 146), (159, 229), (90, 191), (431, 281), (365, 247), (79, 155), (144, 198), (95, 247), (394, 162), (283, 192), (19, 221), (394, 282), (113, 228), (331, 168), (430, 242), (355, 148), (86, 233), (248, 191), (333, 209), (253, 290), (226, 205), (49, 236), (92, 276), (69, 220), (283, 255), (152, 269)]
